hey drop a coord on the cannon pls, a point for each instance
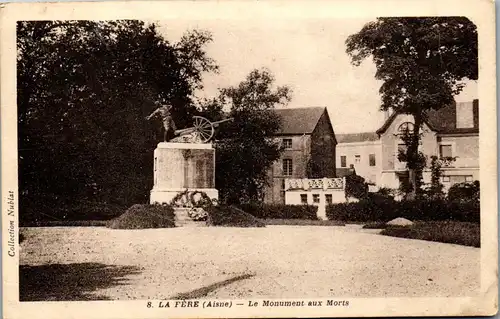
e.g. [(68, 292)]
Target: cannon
[(202, 127)]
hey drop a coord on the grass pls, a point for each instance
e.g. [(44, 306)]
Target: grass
[(145, 216), (231, 216), (303, 222), (452, 232)]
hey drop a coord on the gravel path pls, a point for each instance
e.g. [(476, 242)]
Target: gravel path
[(75, 263)]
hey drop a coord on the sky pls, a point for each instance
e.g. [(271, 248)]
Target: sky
[(308, 55)]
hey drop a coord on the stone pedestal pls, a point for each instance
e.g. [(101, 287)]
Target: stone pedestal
[(181, 166)]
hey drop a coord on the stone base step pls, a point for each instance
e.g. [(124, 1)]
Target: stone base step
[(182, 219), (191, 223)]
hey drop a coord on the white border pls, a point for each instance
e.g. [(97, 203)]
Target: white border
[(480, 12)]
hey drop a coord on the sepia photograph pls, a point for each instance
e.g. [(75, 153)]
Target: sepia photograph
[(265, 165)]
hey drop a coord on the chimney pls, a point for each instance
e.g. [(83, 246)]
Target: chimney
[(465, 114)]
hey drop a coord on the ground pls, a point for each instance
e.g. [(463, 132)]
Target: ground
[(87, 263)]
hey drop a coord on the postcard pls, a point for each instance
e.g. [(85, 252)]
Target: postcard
[(216, 159)]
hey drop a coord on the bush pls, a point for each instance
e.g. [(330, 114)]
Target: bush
[(280, 211), (355, 186), (38, 213), (464, 192), (142, 216), (231, 216), (381, 209), (67, 223), (373, 208), (460, 233)]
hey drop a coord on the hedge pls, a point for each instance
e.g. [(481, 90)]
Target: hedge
[(280, 211), (39, 213), (386, 209)]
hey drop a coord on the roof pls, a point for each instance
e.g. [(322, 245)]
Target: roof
[(357, 137), (444, 120), (299, 120)]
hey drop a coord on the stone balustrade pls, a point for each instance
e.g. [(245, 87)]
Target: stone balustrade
[(314, 183)]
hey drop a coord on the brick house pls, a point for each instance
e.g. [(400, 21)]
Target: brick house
[(309, 141), (450, 131)]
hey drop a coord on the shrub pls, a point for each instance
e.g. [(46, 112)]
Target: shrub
[(355, 186), (373, 208), (39, 214), (464, 192), (141, 216), (385, 192), (381, 209), (460, 233), (280, 211), (231, 216), (67, 223)]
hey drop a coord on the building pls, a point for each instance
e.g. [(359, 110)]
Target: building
[(452, 131), (309, 149), (317, 191)]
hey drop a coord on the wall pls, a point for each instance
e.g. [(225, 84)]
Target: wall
[(466, 166), (390, 143), (363, 168), (466, 148), (323, 148), (301, 146), (292, 197)]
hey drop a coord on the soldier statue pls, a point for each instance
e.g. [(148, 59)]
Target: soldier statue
[(163, 111)]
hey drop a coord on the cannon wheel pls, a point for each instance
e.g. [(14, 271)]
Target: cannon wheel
[(204, 128)]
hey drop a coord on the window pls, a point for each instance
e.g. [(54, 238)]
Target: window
[(372, 159), (406, 128), (446, 179), (343, 161), (316, 198), (445, 151), (287, 167), (328, 199), (357, 159), (303, 199), (287, 143), (282, 184)]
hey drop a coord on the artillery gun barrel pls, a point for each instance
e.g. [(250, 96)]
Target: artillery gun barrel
[(184, 131), (216, 123)]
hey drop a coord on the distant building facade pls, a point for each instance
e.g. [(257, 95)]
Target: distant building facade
[(309, 149), (452, 131)]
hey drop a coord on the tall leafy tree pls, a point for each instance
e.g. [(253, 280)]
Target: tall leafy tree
[(422, 63), (244, 148), (84, 88)]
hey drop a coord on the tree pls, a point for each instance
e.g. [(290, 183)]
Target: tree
[(436, 188), (244, 148), (84, 88), (422, 63), (419, 163)]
